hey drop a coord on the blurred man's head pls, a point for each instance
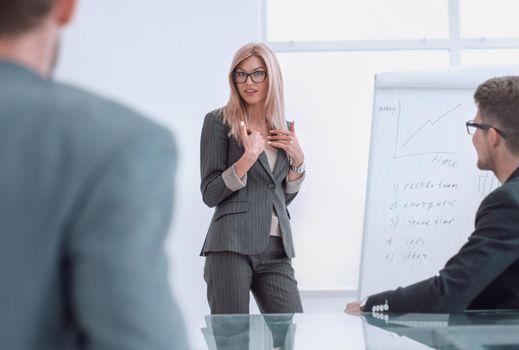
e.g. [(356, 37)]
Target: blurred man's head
[(19, 16), (29, 30)]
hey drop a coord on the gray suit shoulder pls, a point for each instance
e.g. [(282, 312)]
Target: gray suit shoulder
[(214, 123), (108, 117), (92, 128), (215, 116)]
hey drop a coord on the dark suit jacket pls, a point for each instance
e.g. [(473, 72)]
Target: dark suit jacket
[(85, 203), (484, 274), (242, 219)]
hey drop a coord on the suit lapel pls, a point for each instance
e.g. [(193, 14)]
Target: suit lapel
[(281, 164), (265, 163), (280, 168)]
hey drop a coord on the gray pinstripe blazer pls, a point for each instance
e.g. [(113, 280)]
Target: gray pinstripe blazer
[(242, 219)]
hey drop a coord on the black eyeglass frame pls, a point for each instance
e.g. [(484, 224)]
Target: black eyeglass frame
[(483, 126), (251, 75)]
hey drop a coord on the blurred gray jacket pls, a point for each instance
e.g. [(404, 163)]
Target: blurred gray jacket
[(85, 204)]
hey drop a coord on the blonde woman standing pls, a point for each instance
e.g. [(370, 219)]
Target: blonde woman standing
[(251, 167)]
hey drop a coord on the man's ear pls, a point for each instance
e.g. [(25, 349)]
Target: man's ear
[(64, 11), (494, 138)]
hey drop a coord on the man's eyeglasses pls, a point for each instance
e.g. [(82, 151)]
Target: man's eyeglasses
[(258, 76), (472, 126)]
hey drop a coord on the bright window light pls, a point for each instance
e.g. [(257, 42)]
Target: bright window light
[(484, 18), (310, 20)]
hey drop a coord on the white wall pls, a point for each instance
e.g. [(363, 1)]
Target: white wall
[(169, 59)]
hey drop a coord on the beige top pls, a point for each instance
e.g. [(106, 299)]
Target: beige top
[(234, 183)]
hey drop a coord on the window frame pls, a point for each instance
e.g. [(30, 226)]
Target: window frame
[(454, 44)]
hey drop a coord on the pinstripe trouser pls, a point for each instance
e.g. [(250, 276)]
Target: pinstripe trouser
[(230, 278)]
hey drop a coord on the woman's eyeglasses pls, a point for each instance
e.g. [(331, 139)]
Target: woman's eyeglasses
[(258, 76), (472, 126)]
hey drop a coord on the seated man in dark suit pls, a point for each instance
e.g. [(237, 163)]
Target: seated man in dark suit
[(484, 274), (85, 204)]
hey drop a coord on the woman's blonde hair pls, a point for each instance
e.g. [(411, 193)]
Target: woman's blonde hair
[(236, 109)]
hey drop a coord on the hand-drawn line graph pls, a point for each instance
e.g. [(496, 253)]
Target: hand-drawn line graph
[(401, 152)]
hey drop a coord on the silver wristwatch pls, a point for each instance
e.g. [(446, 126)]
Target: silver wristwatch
[(298, 169)]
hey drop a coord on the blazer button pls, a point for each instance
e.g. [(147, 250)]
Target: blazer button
[(271, 186)]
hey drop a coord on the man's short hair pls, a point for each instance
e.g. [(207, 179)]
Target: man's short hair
[(18, 16), (498, 102)]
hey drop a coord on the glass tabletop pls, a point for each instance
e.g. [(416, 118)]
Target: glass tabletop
[(489, 330)]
